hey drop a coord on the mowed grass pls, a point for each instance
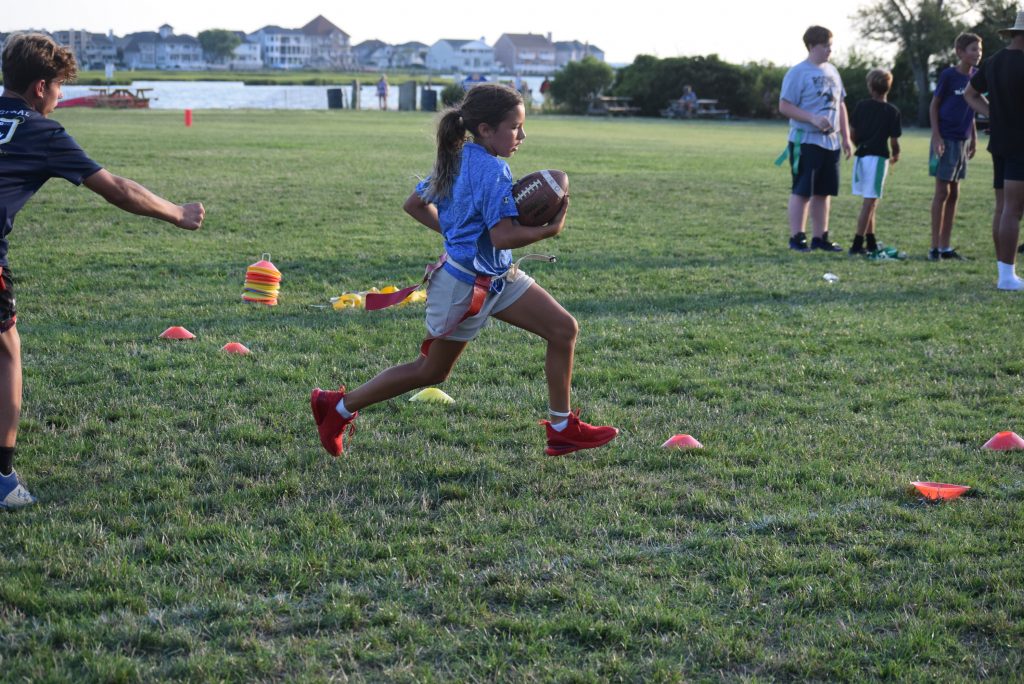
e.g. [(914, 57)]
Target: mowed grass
[(190, 527)]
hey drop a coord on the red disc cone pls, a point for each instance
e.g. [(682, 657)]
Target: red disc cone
[(235, 348), (1004, 441), (176, 332), (936, 491), (682, 442)]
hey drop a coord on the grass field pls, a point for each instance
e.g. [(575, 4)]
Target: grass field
[(190, 527)]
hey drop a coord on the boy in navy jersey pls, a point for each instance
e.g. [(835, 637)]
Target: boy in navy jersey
[(34, 149), (954, 140)]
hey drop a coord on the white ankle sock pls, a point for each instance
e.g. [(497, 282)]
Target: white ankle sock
[(563, 420), (340, 408), (1007, 272)]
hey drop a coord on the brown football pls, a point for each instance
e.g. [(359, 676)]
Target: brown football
[(539, 196)]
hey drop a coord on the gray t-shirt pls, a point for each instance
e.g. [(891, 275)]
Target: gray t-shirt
[(818, 89)]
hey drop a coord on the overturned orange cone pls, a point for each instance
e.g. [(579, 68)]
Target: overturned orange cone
[(682, 442), (936, 491), (235, 348), (176, 332), (1004, 441)]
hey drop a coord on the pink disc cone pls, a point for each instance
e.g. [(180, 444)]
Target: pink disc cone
[(936, 491), (235, 348), (682, 442), (176, 332), (1004, 441)]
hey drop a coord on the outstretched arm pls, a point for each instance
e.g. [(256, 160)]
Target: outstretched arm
[(130, 196)]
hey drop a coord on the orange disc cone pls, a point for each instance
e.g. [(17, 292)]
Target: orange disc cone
[(235, 348), (937, 491), (682, 442), (1004, 441), (176, 332)]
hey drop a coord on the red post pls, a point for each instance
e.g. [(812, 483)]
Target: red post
[(188, 117)]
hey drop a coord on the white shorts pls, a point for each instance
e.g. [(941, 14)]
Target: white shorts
[(448, 298), (869, 176)]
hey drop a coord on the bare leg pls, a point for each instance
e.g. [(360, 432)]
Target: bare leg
[(431, 369), (1009, 222), (866, 220), (10, 386), (539, 313), (939, 210), (946, 230), (797, 213), (997, 215), (820, 205)]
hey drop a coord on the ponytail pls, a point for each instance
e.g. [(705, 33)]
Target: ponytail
[(451, 136), (488, 103)]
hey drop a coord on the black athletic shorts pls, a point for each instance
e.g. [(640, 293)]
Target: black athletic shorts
[(817, 171), (8, 312), (1004, 169)]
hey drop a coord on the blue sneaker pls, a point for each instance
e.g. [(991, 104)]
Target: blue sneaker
[(13, 493)]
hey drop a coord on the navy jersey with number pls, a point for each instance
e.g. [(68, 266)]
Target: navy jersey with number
[(33, 149)]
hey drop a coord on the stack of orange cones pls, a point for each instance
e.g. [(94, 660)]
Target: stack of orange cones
[(262, 282)]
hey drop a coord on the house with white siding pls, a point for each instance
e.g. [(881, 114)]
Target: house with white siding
[(574, 51), (461, 56)]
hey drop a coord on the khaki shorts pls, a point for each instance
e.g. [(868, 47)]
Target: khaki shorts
[(448, 298)]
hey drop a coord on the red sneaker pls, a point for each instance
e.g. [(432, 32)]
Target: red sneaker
[(576, 435), (329, 422)]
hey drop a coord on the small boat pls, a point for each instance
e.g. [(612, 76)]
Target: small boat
[(106, 98)]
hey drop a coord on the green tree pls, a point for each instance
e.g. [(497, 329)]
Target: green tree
[(993, 15), (577, 82), (921, 29), (219, 44)]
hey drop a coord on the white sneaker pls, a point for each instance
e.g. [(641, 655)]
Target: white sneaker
[(1011, 285), (13, 493)]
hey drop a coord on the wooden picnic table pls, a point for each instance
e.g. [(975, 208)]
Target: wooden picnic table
[(710, 109), (604, 105)]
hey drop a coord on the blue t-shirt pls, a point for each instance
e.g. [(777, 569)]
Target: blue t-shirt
[(955, 115), (818, 89), (33, 149), (481, 197)]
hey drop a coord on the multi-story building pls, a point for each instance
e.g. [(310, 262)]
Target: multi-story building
[(526, 53), (319, 44), (574, 51), (162, 50), (92, 50), (461, 56)]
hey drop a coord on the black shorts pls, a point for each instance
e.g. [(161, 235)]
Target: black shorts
[(817, 171), (8, 312), (1004, 169)]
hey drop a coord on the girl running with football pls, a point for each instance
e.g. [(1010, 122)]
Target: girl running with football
[(468, 200)]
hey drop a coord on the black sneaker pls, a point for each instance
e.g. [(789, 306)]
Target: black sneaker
[(1020, 249), (858, 251), (799, 242), (933, 254), (952, 255), (825, 244)]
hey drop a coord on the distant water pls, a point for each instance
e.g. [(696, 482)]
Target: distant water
[(237, 95)]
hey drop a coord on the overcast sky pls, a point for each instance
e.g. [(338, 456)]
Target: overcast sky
[(738, 31)]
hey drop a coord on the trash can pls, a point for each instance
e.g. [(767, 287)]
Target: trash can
[(335, 99), (407, 97), (428, 100)]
